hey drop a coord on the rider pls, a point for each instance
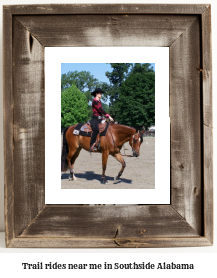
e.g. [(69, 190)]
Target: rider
[(97, 116)]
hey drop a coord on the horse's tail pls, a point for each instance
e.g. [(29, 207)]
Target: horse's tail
[(65, 150)]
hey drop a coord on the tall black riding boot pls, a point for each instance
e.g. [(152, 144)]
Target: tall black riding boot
[(92, 141)]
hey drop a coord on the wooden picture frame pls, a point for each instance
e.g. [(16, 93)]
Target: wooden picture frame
[(186, 30)]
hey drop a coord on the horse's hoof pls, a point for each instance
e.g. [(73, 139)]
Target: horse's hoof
[(116, 178), (104, 181), (74, 178)]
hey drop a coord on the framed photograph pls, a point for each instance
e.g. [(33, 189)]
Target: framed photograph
[(178, 209), (142, 176)]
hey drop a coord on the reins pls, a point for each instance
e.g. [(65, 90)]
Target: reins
[(128, 155), (113, 140)]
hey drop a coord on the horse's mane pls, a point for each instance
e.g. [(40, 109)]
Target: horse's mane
[(117, 126), (121, 125)]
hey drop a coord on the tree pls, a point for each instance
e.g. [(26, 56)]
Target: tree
[(74, 106), (84, 81), (118, 74), (135, 105), (141, 68), (116, 78)]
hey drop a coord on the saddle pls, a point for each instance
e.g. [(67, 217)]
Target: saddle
[(85, 129)]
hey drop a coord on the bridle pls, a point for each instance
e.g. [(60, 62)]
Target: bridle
[(133, 138), (131, 144)]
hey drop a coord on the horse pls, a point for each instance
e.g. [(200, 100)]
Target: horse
[(110, 144)]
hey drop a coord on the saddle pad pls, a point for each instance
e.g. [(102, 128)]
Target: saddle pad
[(77, 129)]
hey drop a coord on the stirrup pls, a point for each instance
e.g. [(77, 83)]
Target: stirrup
[(93, 148)]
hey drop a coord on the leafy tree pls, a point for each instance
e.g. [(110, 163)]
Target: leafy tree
[(131, 92), (135, 105), (84, 81), (74, 107), (140, 68), (105, 107), (116, 78), (118, 74)]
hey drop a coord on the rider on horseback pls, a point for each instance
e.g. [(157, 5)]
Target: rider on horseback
[(97, 116)]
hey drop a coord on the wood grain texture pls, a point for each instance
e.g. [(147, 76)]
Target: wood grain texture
[(8, 125), (46, 242), (109, 222), (29, 139), (106, 9), (186, 30), (207, 67), (185, 113), (207, 118), (107, 30), (208, 182)]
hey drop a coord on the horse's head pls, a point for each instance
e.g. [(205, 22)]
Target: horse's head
[(136, 141)]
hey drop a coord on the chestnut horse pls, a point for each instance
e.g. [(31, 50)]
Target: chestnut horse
[(110, 144)]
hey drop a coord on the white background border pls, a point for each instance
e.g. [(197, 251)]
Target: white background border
[(54, 56)]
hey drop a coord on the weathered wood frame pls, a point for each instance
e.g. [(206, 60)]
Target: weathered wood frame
[(188, 220)]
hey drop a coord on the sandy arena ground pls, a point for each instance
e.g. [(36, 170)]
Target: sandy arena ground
[(138, 174)]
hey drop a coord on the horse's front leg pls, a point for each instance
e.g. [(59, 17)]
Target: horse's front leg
[(105, 155), (119, 158)]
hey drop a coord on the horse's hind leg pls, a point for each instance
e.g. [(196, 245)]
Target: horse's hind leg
[(73, 162), (73, 152), (119, 158)]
